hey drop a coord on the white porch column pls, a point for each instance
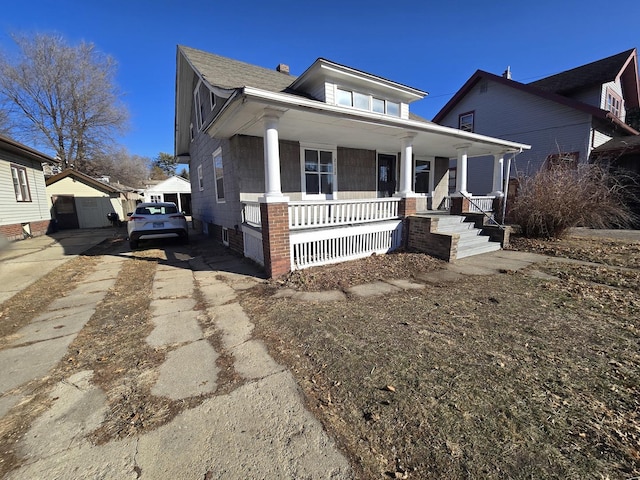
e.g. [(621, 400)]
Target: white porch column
[(406, 166), (273, 188), (461, 171), (498, 160)]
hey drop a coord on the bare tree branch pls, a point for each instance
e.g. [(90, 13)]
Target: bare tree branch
[(63, 97)]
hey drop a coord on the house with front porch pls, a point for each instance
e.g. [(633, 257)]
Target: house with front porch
[(324, 167)]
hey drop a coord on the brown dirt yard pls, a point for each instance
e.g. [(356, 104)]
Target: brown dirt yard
[(516, 375)]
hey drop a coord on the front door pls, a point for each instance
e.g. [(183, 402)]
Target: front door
[(64, 209), (386, 175)]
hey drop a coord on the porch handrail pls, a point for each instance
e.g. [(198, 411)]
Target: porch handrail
[(313, 214), (479, 209), (251, 214)]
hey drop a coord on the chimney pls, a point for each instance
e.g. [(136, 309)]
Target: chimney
[(283, 68), (507, 73)]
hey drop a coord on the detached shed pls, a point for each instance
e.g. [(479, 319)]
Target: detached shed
[(80, 201), (174, 189)]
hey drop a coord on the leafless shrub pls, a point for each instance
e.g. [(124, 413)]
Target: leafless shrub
[(564, 196)]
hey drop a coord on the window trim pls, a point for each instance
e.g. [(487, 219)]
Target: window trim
[(218, 154), (472, 124), (610, 93), (212, 99), (21, 189), (334, 181), (200, 178)]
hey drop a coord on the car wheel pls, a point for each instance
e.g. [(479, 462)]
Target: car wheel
[(133, 243)]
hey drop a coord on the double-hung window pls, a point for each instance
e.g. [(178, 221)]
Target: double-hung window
[(20, 183), (614, 103), (218, 170), (318, 171), (465, 122)]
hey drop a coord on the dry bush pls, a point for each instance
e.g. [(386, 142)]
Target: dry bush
[(564, 196)]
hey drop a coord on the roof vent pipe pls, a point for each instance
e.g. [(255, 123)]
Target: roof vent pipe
[(283, 68), (507, 73)]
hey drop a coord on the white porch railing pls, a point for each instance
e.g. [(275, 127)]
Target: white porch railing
[(341, 212), (477, 204), (481, 204), (334, 245), (251, 214)]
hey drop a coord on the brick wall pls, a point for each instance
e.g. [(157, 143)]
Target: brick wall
[(423, 237), (15, 231), (459, 205), (275, 238), (236, 241)]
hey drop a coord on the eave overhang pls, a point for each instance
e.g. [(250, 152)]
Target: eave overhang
[(311, 121)]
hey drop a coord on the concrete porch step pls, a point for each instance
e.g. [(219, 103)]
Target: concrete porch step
[(477, 250), (471, 241)]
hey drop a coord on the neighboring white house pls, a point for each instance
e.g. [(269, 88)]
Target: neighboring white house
[(79, 201), (24, 210), (564, 117), (174, 189)]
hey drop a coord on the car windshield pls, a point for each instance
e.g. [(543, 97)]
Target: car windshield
[(156, 210)]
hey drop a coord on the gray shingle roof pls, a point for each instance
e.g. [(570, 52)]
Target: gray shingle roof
[(231, 74), (594, 73)]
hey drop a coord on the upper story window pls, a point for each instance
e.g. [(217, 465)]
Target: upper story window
[(363, 101), (20, 183), (614, 103), (218, 170), (465, 121)]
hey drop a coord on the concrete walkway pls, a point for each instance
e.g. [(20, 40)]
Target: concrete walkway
[(25, 261), (259, 430)]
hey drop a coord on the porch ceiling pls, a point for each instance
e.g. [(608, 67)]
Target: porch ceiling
[(306, 122)]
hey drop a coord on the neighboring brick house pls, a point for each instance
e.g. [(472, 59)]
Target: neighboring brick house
[(24, 210), (564, 116), (321, 168)]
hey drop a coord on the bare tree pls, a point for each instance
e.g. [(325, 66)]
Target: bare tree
[(121, 167), (62, 97)]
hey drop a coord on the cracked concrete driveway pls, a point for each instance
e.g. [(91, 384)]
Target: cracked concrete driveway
[(260, 428)]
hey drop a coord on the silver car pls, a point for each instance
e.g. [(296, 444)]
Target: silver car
[(156, 220)]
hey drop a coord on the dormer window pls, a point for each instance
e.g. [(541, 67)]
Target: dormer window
[(369, 103), (614, 103)]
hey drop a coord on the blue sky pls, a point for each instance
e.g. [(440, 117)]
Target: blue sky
[(432, 46)]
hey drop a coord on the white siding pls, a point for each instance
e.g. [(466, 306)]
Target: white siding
[(617, 88), (12, 211), (599, 138), (404, 111), (510, 114)]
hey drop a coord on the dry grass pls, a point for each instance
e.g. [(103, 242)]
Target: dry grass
[(504, 376)]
